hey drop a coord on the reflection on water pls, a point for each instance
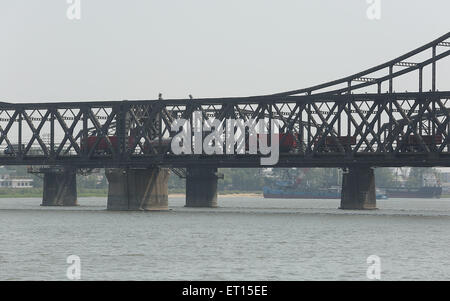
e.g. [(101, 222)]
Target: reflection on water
[(247, 238)]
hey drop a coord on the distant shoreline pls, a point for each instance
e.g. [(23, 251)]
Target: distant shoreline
[(24, 195), (237, 194)]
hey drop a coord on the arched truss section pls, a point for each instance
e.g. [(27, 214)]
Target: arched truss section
[(429, 56)]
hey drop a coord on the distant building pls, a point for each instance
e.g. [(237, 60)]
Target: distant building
[(8, 179), (445, 181), (11, 182), (445, 177)]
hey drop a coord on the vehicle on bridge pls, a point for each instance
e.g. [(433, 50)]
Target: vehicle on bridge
[(413, 143), (162, 147), (102, 146), (331, 144), (287, 141)]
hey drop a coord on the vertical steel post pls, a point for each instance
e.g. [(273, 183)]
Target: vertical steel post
[(434, 70), (20, 154), (52, 133), (84, 139)]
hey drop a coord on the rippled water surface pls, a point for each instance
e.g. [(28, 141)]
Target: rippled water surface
[(247, 238)]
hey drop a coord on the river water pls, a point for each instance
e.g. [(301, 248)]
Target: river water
[(247, 238)]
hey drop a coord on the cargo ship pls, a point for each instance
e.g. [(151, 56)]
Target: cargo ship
[(427, 184), (428, 192), (304, 183), (298, 184), (282, 190)]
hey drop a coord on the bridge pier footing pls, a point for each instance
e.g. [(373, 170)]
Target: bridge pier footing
[(60, 188), (201, 187), (137, 189), (358, 189)]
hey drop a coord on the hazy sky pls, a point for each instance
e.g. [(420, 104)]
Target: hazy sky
[(135, 49)]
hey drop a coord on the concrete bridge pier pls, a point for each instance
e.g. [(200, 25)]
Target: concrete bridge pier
[(137, 189), (201, 187), (60, 188), (358, 189)]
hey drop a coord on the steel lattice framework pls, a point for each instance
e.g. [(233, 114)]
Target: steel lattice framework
[(337, 124)]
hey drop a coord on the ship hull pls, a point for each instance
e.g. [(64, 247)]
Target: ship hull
[(298, 196), (279, 194), (423, 192)]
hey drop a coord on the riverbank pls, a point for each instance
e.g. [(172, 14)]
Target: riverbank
[(37, 193), (224, 193)]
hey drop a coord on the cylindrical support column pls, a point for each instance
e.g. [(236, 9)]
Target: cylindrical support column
[(201, 187), (60, 188), (358, 189), (137, 189)]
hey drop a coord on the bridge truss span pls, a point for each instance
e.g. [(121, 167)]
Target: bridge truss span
[(331, 126)]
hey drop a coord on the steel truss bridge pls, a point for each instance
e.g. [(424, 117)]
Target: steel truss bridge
[(356, 120)]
